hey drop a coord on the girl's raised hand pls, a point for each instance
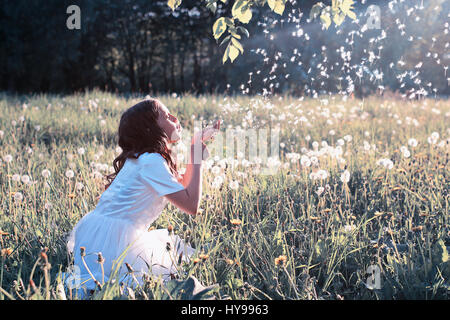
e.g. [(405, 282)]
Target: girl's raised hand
[(209, 132)]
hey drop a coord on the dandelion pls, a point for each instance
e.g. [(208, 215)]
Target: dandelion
[(322, 174), (46, 173), (234, 185), (25, 179), (387, 163), (1, 134), (305, 161), (348, 138), (18, 197), (217, 182), (70, 174), (215, 170), (320, 190), (79, 186), (81, 151), (349, 228), (48, 205), (16, 177), (412, 142), (8, 158), (280, 260), (433, 138), (345, 176)]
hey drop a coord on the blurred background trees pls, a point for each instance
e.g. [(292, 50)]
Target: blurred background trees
[(143, 46)]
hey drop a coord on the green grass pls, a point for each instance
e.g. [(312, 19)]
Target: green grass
[(397, 219)]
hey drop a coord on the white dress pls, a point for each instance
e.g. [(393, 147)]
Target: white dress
[(121, 221)]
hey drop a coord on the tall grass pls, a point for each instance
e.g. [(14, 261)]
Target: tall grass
[(282, 236)]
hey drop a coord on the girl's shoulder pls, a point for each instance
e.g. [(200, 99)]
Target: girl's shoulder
[(150, 158)]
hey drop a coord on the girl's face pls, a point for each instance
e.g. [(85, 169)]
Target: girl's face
[(169, 124)]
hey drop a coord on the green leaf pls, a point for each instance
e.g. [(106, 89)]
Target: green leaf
[(244, 31), (227, 38), (226, 54), (219, 27), (212, 6), (346, 6), (315, 10), (325, 18), (277, 6), (234, 52), (241, 10), (338, 18), (173, 4)]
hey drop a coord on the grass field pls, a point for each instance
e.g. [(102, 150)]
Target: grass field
[(362, 183)]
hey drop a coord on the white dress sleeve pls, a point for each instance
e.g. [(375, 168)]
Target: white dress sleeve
[(155, 173)]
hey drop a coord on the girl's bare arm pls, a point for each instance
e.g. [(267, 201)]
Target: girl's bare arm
[(189, 199)]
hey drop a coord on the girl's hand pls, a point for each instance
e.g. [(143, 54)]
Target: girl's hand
[(208, 133)]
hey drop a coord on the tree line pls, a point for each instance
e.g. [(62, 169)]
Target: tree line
[(144, 46)]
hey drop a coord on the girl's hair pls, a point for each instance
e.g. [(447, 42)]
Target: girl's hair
[(140, 133)]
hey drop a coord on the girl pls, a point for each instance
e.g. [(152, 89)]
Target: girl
[(145, 179)]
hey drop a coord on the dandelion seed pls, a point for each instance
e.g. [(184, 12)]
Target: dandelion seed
[(16, 177), (81, 151)]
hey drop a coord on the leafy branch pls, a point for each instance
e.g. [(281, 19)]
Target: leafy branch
[(241, 13)]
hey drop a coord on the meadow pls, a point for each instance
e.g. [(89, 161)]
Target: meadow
[(361, 185)]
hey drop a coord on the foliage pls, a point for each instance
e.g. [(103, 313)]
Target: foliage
[(242, 12)]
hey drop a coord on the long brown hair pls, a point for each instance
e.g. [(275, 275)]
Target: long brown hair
[(140, 133)]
